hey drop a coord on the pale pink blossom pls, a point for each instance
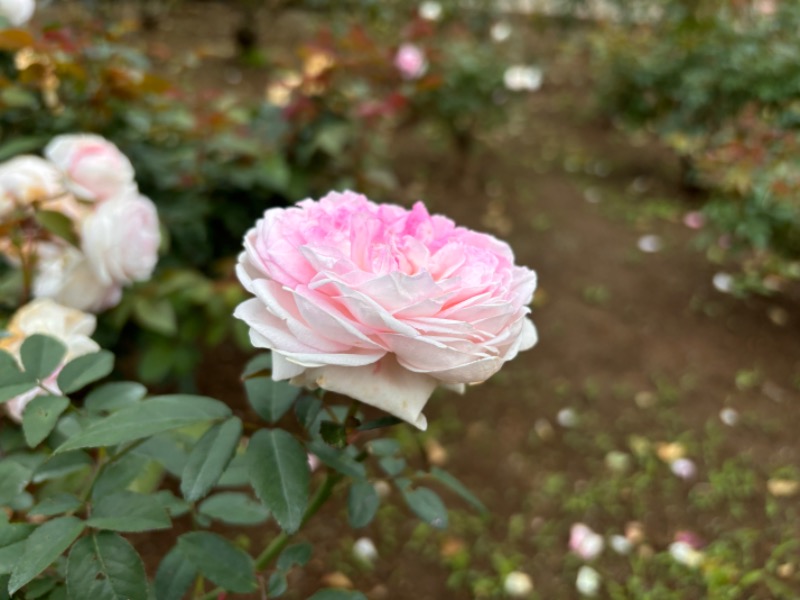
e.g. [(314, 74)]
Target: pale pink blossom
[(584, 542), (410, 61), (382, 303), (121, 238), (694, 219), (93, 167), (27, 179)]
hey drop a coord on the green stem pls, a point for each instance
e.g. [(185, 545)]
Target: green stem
[(277, 545)]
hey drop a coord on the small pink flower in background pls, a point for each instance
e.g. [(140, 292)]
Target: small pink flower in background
[(17, 12), (121, 238), (766, 7), (382, 303), (694, 220), (691, 538), (410, 61), (94, 168), (584, 542), (72, 327)]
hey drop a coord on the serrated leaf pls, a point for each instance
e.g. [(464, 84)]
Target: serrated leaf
[(40, 416), (146, 418), (280, 475), (13, 479), (270, 399), (334, 594), (297, 554), (209, 458), (113, 396), (58, 224), (13, 381), (427, 505), (226, 565), (41, 355), (119, 475), (307, 409), (337, 460), (104, 566), (61, 465), (459, 488), (84, 370), (129, 512), (9, 557), (12, 545), (42, 548), (174, 576), (56, 505), (362, 504), (234, 508)]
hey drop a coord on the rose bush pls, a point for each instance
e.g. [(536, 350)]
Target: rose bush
[(382, 303)]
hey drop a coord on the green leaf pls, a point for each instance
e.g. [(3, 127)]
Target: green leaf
[(13, 479), (362, 504), (12, 545), (334, 434), (333, 594), (58, 224), (427, 505), (220, 561), (104, 566), (338, 460), (111, 397), (459, 488), (146, 418), (61, 465), (56, 505), (384, 447), (155, 314), (13, 381), (42, 548), (392, 465), (119, 475), (380, 423), (280, 475), (277, 585), (22, 145), (84, 370), (307, 409), (40, 416), (9, 557), (270, 399), (129, 512), (41, 355), (209, 458), (297, 554), (234, 508), (174, 576)]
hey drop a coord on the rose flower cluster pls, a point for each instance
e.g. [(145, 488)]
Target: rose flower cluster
[(89, 181)]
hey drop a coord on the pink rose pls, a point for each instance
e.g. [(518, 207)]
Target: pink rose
[(410, 61), (120, 239), (94, 168), (382, 303), (584, 542)]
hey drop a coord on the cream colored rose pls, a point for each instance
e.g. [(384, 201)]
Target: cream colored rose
[(120, 239), (27, 179), (72, 327), (65, 275), (93, 167)]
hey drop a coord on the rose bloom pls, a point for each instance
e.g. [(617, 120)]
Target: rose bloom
[(64, 274), (72, 327), (17, 12), (120, 239), (93, 167), (27, 179), (382, 303), (410, 61), (523, 78)]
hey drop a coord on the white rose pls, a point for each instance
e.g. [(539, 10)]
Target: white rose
[(27, 179), (94, 168), (120, 239), (72, 327), (17, 12), (64, 274)]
